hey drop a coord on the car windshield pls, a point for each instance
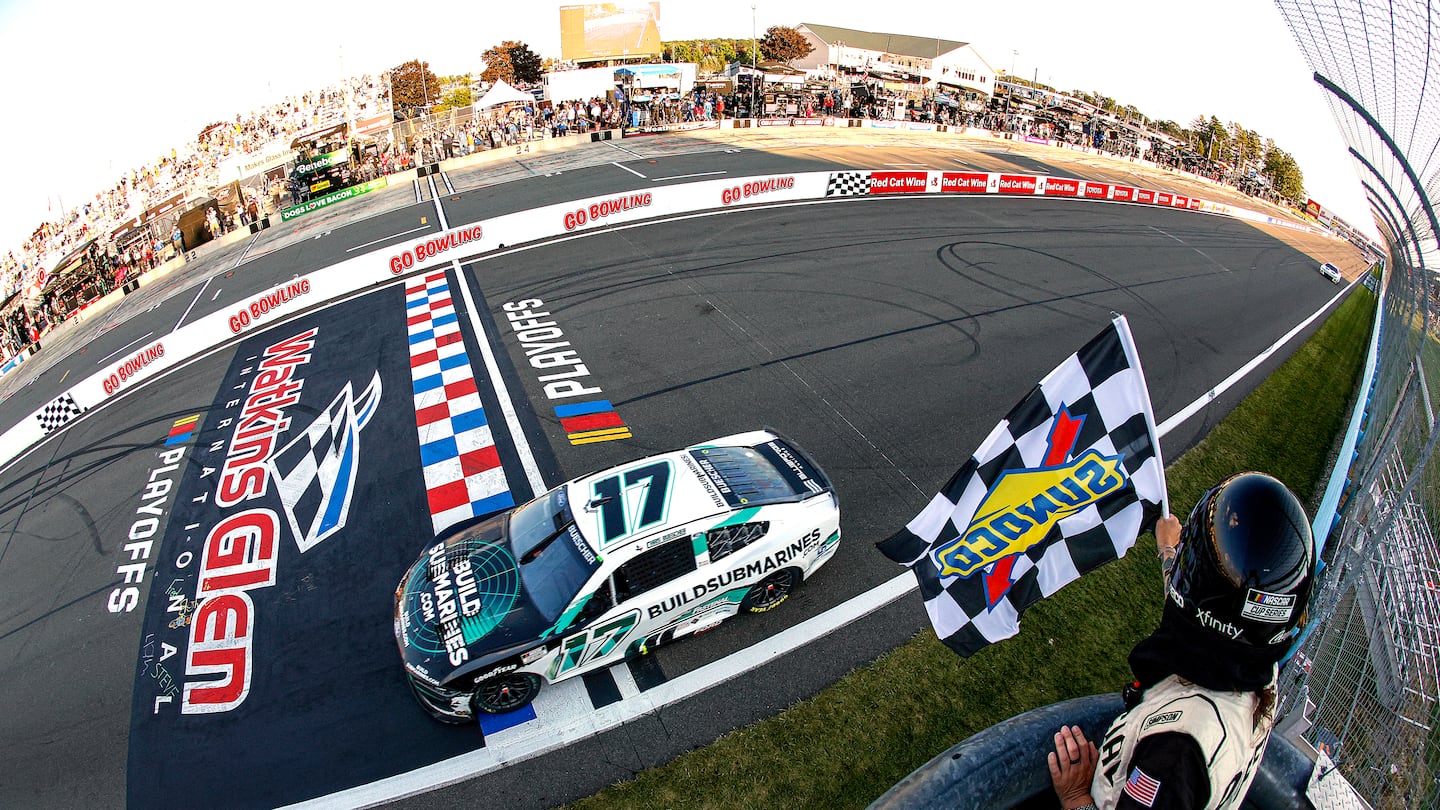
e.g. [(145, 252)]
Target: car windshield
[(532, 523), (752, 476), (555, 561)]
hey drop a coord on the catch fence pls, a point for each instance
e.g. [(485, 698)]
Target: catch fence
[(1366, 681)]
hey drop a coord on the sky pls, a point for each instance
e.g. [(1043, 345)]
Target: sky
[(95, 89)]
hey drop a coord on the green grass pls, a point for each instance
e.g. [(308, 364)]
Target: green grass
[(852, 741)]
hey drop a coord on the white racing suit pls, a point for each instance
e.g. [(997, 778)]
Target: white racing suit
[(1183, 746)]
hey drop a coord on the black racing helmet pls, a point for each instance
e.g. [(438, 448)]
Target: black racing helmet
[(1246, 563)]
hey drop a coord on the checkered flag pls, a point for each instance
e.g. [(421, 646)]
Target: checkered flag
[(57, 413), (847, 184), (314, 473), (1060, 487)]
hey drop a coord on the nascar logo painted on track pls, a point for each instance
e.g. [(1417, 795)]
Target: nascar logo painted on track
[(1022, 507), (315, 473)]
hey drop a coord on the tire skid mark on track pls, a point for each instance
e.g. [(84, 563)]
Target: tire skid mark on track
[(820, 390)]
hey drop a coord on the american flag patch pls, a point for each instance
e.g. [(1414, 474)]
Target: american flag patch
[(1141, 787)]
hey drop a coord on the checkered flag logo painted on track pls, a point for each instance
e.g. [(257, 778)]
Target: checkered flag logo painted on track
[(1060, 487), (59, 411), (847, 184), (314, 473)]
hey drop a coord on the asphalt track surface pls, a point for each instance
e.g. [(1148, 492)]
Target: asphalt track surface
[(885, 336)]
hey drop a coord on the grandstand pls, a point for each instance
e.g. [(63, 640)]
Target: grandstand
[(191, 169)]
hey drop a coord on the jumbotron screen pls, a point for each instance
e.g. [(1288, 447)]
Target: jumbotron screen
[(609, 31)]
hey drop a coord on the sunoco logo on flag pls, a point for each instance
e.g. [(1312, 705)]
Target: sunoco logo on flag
[(1022, 508), (1062, 485)]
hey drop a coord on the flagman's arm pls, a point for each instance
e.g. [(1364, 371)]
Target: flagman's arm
[(1167, 542), (1180, 779), (1072, 764)]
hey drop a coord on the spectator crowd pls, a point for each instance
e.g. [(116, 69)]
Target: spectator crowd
[(30, 294), (34, 301)]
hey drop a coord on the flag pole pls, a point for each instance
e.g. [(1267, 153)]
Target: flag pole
[(1128, 341)]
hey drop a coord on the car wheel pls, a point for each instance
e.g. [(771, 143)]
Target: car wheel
[(768, 593), (505, 693)]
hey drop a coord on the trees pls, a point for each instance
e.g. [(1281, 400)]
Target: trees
[(1245, 143), (1171, 128), (413, 88), (1284, 173), (1217, 141), (1211, 136), (782, 43), (711, 55), (527, 64), (513, 62), (497, 64), (454, 99)]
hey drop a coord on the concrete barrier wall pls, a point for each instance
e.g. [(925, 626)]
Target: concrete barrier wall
[(268, 307)]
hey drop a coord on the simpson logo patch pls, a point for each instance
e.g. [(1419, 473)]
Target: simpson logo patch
[(1160, 719), (1268, 607)]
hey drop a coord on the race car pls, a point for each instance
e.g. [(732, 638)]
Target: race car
[(607, 566), (1330, 271)]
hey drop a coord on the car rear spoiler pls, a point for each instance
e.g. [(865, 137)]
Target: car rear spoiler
[(818, 472)]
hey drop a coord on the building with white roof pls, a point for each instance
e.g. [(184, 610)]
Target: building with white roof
[(941, 64)]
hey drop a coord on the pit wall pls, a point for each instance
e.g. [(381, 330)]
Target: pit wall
[(472, 240)]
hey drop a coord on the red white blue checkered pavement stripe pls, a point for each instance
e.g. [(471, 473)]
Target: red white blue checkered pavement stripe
[(463, 474)]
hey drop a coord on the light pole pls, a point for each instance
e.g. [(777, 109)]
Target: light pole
[(1010, 77), (754, 62)]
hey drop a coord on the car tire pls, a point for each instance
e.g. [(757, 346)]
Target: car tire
[(768, 593), (505, 693)]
